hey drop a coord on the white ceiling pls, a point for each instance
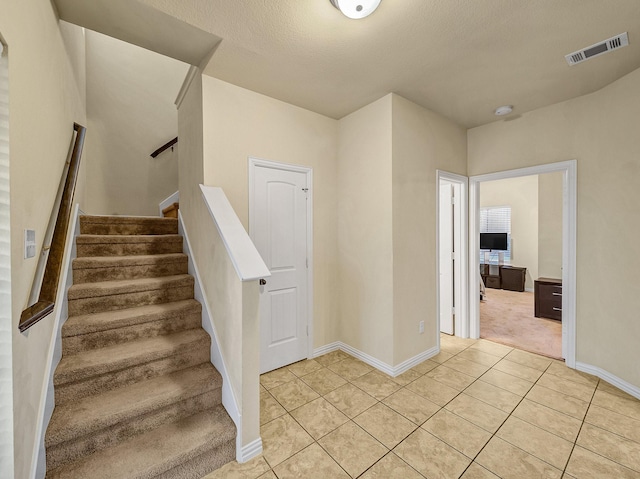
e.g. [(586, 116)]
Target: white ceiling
[(459, 58)]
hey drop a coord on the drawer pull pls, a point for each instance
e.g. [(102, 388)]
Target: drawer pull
[(557, 309), (556, 294)]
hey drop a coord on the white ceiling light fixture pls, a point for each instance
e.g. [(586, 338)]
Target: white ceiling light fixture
[(503, 110), (356, 9)]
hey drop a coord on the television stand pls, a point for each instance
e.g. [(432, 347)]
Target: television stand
[(491, 275)]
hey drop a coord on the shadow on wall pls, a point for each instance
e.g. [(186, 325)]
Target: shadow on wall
[(131, 112)]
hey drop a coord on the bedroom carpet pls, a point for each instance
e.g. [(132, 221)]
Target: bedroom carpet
[(506, 317)]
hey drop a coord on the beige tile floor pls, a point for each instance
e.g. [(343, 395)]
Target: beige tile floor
[(478, 410)]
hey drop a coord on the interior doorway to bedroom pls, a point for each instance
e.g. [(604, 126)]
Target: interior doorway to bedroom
[(566, 296)]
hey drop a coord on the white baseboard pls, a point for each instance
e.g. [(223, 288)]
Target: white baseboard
[(395, 371), (366, 358), (248, 452), (392, 371), (414, 361), (327, 348), (610, 378), (47, 399), (229, 400)]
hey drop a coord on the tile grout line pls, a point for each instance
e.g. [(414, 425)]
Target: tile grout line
[(590, 450), (352, 419), (452, 399), (316, 441), (575, 442), (417, 426), (499, 427), (546, 370), (494, 434)]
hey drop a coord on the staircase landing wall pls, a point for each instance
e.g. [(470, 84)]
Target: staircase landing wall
[(232, 304)]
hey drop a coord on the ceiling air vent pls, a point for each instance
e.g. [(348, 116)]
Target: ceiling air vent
[(606, 46)]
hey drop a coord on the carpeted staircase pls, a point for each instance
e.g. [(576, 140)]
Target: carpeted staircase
[(136, 394)]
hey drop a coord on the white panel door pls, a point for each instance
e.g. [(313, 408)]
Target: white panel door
[(446, 258), (279, 231)]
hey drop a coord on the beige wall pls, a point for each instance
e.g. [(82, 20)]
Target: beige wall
[(365, 230), (131, 112), (550, 225), (75, 44), (239, 124), (219, 279), (521, 194), (232, 303), (600, 131), (423, 142), (46, 97), (190, 154)]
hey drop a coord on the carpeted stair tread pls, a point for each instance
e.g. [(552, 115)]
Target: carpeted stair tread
[(92, 269), (86, 364), (92, 323), (101, 411), (102, 239), (110, 288), (117, 225), (156, 452), (124, 261), (109, 219), (113, 245)]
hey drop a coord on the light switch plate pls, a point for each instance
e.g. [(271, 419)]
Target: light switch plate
[(29, 243)]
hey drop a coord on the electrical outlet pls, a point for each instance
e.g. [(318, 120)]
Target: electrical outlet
[(421, 328), (29, 243)]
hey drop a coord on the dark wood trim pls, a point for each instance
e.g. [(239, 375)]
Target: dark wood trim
[(164, 147), (49, 288), (171, 211)]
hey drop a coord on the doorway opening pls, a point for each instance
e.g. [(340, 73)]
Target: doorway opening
[(451, 252), (568, 170), (521, 250)]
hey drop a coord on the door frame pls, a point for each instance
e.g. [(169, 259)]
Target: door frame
[(569, 229), (461, 271), (258, 162)]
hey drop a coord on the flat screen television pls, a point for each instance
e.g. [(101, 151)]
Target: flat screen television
[(493, 241)]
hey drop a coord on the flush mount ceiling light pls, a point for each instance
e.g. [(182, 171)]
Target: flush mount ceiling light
[(356, 9), (503, 110)]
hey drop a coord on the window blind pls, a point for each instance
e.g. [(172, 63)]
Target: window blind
[(6, 389)]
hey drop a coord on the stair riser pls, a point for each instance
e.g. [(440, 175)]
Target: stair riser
[(158, 228), (60, 454), (101, 339), (201, 465), (116, 273), (127, 249), (128, 300), (71, 389)]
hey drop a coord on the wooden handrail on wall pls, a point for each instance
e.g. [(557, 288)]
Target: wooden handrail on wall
[(166, 146), (49, 288)]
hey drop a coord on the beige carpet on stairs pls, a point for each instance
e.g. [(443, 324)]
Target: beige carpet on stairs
[(507, 317), (136, 394)]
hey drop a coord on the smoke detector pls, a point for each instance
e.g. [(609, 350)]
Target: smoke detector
[(600, 48), (503, 110)]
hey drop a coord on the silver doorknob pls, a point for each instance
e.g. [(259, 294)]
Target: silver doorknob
[(263, 282)]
